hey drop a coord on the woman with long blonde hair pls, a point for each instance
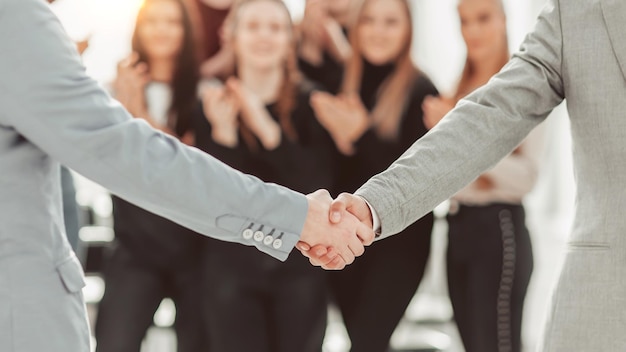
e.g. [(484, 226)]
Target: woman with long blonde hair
[(490, 257), (260, 122), (374, 119)]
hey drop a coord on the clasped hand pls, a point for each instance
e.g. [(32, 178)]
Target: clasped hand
[(335, 231)]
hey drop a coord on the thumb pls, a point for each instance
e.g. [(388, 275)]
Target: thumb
[(338, 207)]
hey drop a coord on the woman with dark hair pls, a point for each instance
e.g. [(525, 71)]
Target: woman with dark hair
[(490, 258), (260, 122), (216, 57), (153, 257), (376, 117)]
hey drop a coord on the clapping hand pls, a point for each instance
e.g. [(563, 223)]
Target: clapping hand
[(344, 117), (435, 108), (254, 114), (130, 83), (221, 109)]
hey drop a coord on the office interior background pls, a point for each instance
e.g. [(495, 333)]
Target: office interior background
[(439, 52)]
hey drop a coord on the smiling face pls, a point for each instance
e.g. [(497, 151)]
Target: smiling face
[(483, 26), (383, 30), (262, 34), (160, 30)]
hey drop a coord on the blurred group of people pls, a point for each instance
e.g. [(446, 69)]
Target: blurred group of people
[(325, 103)]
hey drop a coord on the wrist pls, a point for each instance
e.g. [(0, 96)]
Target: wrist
[(358, 130), (270, 136), (225, 135)]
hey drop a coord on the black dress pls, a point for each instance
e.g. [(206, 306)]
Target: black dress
[(252, 301), (374, 292)]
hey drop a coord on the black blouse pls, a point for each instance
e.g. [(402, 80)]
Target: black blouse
[(303, 165), (373, 154), (328, 74)]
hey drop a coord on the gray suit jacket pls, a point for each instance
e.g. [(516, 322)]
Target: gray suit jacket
[(51, 112), (577, 51)]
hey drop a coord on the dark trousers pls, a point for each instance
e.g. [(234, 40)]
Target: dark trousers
[(253, 302), (133, 293), (490, 262), (374, 292)]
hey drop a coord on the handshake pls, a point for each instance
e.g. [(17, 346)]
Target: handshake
[(335, 231)]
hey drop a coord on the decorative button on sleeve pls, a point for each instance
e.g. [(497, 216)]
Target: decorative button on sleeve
[(247, 234), (259, 236)]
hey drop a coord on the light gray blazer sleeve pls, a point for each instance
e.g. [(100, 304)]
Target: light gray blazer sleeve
[(474, 136), (46, 97)]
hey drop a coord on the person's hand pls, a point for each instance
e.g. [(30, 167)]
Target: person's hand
[(344, 117), (220, 64), (336, 41), (82, 45), (345, 205), (332, 245), (435, 108), (354, 205), (312, 24), (254, 115), (484, 183), (129, 85), (221, 110)]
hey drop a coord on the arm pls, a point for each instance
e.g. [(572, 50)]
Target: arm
[(483, 128), (46, 97), (517, 173)]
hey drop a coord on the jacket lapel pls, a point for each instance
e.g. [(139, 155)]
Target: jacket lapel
[(614, 12)]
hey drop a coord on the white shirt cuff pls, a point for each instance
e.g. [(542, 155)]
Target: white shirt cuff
[(375, 218)]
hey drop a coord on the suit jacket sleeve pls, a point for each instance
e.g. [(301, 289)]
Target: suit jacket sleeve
[(47, 98), (473, 137)]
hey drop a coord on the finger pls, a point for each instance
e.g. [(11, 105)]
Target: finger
[(315, 262), (314, 100), (335, 264), (321, 97), (326, 260), (322, 260), (355, 245), (365, 234), (322, 195), (125, 63), (321, 108), (346, 253), (339, 206), (430, 98), (141, 68), (134, 57), (303, 246), (231, 101), (233, 85), (347, 257), (318, 251)]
